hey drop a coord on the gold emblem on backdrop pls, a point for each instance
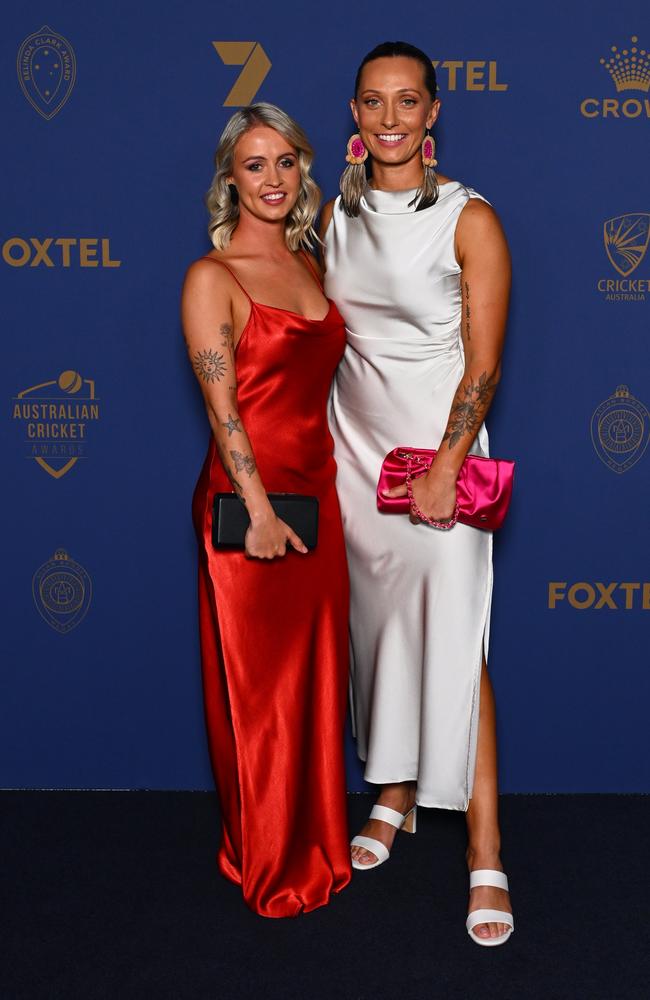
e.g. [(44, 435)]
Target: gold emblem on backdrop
[(626, 241), (62, 591), (47, 70), (620, 428), (256, 65), (54, 418), (629, 70)]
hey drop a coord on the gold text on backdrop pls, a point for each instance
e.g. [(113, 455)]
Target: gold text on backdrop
[(64, 251), (615, 596), (474, 74)]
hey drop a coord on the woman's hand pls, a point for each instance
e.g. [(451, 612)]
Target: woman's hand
[(267, 538), (434, 494)]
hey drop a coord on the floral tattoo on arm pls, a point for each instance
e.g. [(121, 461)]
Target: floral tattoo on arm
[(471, 402)]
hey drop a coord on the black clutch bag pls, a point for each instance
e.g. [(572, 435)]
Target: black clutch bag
[(230, 519)]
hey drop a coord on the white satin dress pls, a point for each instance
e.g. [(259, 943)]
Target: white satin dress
[(420, 598)]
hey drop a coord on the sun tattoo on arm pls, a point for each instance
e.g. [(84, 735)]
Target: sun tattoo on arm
[(209, 365), (468, 411)]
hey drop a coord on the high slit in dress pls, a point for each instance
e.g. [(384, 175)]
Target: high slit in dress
[(420, 598)]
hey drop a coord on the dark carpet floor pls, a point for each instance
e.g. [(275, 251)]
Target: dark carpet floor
[(115, 895)]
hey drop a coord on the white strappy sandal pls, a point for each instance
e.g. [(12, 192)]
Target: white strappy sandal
[(486, 876), (404, 822)]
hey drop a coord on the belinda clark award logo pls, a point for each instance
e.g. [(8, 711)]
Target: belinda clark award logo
[(47, 70)]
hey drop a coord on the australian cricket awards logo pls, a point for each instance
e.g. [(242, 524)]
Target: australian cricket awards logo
[(626, 240), (47, 70), (62, 592), (620, 428), (629, 71), (55, 417), (255, 66)]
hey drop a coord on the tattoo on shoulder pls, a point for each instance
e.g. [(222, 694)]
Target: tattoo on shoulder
[(232, 424), (209, 365), (471, 401), (467, 311), (245, 462)]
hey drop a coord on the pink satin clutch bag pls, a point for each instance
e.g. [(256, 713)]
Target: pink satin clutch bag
[(483, 487)]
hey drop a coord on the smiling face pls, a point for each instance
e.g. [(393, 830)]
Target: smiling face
[(266, 174), (393, 109)]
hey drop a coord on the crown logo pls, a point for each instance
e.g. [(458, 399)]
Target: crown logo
[(629, 68)]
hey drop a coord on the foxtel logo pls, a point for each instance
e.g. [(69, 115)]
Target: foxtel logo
[(625, 596)]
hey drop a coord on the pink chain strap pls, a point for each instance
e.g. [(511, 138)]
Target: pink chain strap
[(440, 525)]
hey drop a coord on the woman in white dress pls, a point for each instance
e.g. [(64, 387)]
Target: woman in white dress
[(419, 268)]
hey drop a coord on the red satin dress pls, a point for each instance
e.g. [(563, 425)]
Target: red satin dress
[(274, 635)]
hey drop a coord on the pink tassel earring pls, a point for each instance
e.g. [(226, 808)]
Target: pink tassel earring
[(357, 152), (429, 152)]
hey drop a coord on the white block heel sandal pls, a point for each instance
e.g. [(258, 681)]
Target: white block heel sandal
[(498, 880), (404, 822)]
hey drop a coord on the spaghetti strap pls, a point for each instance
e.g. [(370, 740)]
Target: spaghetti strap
[(312, 269), (232, 275)]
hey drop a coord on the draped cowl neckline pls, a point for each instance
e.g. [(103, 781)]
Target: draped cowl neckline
[(400, 202)]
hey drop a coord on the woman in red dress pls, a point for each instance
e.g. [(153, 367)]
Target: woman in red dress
[(264, 343)]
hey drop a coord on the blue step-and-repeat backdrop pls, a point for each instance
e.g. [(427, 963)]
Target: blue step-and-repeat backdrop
[(111, 113)]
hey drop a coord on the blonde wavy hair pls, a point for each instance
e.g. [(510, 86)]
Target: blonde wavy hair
[(224, 209)]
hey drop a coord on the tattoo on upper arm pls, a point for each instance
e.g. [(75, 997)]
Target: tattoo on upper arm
[(467, 311), (228, 337), (245, 462), (209, 365), (473, 399), (232, 424)]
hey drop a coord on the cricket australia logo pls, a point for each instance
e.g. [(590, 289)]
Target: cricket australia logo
[(626, 241)]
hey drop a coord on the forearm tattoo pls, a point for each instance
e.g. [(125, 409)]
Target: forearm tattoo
[(467, 311), (232, 424), (245, 462), (467, 412), (209, 365)]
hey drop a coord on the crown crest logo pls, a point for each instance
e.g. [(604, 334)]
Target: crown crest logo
[(629, 68)]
